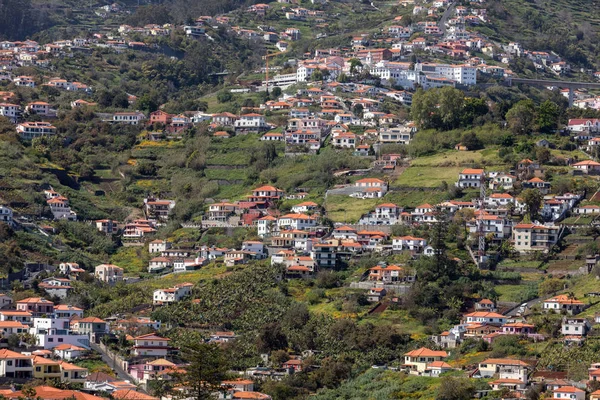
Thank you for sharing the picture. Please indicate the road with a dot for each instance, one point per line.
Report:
(445, 16)
(530, 303)
(121, 373)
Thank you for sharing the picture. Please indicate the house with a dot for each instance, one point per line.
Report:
(568, 392)
(158, 209)
(68, 351)
(491, 367)
(15, 365)
(157, 246)
(296, 221)
(418, 360)
(485, 305)
(532, 237)
(58, 287)
(411, 243)
(484, 317)
(151, 345)
(266, 194)
(221, 211)
(375, 295)
(37, 306)
(537, 183)
(158, 264)
(71, 373)
(12, 328)
(5, 300)
(325, 254)
(24, 317)
(10, 111)
(172, 295)
(93, 327)
(31, 130)
(107, 226)
(575, 326)
(307, 206)
(251, 122)
(587, 167)
(587, 126)
(503, 181)
(131, 118)
(40, 108)
(108, 273)
(563, 303)
(470, 178)
(387, 273)
(224, 119)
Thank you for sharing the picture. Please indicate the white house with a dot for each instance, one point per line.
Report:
(172, 295)
(485, 317)
(251, 122)
(150, 345)
(568, 392)
(470, 178)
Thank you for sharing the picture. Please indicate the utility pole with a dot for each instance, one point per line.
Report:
(481, 222)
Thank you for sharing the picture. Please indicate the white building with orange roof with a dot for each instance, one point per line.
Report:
(266, 193)
(587, 166)
(384, 214)
(305, 207)
(296, 221)
(499, 200)
(485, 317)
(470, 178)
(508, 367)
(375, 294)
(25, 317)
(266, 226)
(151, 345)
(37, 306)
(534, 237)
(345, 232)
(68, 351)
(411, 243)
(562, 303)
(40, 108)
(31, 130)
(568, 392)
(418, 360)
(387, 273)
(172, 295)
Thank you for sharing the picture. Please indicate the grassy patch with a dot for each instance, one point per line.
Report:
(341, 208)
(428, 176)
(132, 259)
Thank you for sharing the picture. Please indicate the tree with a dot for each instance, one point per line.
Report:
(542, 154)
(521, 116)
(452, 388)
(358, 110)
(354, 65)
(224, 96)
(533, 202)
(317, 75)
(207, 367)
(276, 92)
(471, 141)
(548, 116)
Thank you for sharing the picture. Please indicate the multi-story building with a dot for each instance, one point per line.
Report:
(470, 178)
(10, 111)
(37, 306)
(532, 237)
(172, 295)
(108, 273)
(463, 74)
(151, 345)
(31, 130)
(324, 254)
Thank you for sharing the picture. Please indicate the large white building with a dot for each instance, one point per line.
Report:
(463, 74)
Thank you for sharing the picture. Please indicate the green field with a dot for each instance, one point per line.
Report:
(428, 177)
